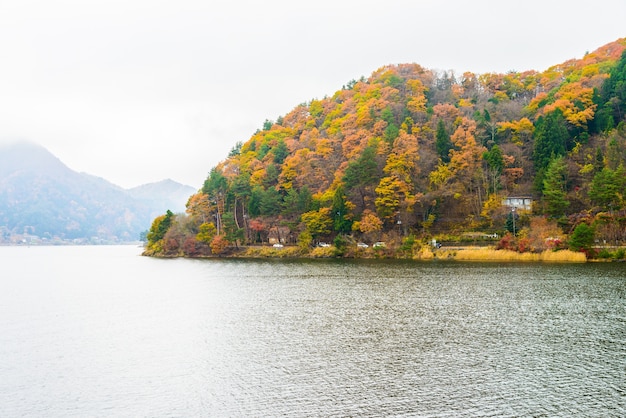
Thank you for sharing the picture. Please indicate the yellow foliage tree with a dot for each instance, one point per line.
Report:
(440, 176)
(369, 225)
(576, 103)
(466, 164)
(318, 222)
(417, 97)
(396, 192)
(521, 130)
(206, 233)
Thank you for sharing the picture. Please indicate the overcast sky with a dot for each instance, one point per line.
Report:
(137, 91)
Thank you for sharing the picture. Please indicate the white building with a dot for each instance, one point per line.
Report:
(518, 202)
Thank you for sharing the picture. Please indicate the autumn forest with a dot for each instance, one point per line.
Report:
(411, 155)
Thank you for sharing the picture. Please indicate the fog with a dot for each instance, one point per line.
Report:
(137, 91)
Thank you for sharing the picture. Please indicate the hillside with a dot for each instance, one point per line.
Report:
(410, 154)
(42, 200)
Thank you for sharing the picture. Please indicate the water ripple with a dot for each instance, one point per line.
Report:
(234, 338)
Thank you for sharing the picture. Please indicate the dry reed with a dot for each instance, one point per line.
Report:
(489, 254)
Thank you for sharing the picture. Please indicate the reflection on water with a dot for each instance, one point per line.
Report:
(99, 331)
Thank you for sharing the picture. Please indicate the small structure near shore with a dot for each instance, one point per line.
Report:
(280, 235)
(518, 202)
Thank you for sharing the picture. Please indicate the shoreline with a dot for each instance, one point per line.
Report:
(467, 254)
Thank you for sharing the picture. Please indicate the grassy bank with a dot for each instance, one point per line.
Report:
(489, 254)
(424, 253)
(416, 252)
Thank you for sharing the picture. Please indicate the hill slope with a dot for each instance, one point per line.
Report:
(41, 197)
(410, 152)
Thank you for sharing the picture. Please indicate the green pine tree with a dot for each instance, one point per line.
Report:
(555, 188)
(339, 210)
(443, 144)
(550, 139)
(582, 238)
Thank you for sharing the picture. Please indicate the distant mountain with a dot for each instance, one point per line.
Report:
(43, 199)
(166, 194)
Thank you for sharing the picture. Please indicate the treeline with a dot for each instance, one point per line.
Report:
(409, 154)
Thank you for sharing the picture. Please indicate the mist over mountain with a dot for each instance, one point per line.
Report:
(41, 199)
(165, 193)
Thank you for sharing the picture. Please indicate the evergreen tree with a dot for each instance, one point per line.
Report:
(550, 139)
(305, 200)
(231, 231)
(495, 160)
(611, 99)
(290, 202)
(215, 183)
(236, 150)
(510, 224)
(443, 143)
(608, 188)
(254, 203)
(488, 128)
(160, 226)
(267, 125)
(582, 238)
(614, 90)
(362, 174)
(392, 130)
(280, 152)
(297, 201)
(555, 187)
(598, 163)
(271, 176)
(263, 150)
(615, 154)
(342, 222)
(271, 202)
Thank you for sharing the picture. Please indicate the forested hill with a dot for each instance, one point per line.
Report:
(412, 152)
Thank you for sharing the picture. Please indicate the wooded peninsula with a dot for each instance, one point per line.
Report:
(416, 163)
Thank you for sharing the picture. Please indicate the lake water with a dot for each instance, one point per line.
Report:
(103, 332)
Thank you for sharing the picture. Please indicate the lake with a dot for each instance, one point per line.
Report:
(102, 332)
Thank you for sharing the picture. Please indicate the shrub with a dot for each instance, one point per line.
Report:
(553, 244)
(191, 246)
(304, 241)
(407, 245)
(340, 244)
(523, 245)
(271, 252)
(219, 244)
(171, 246)
(323, 252)
(507, 242)
(582, 238)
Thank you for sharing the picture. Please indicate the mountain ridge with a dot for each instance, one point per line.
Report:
(44, 199)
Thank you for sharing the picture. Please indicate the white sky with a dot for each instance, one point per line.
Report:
(137, 91)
